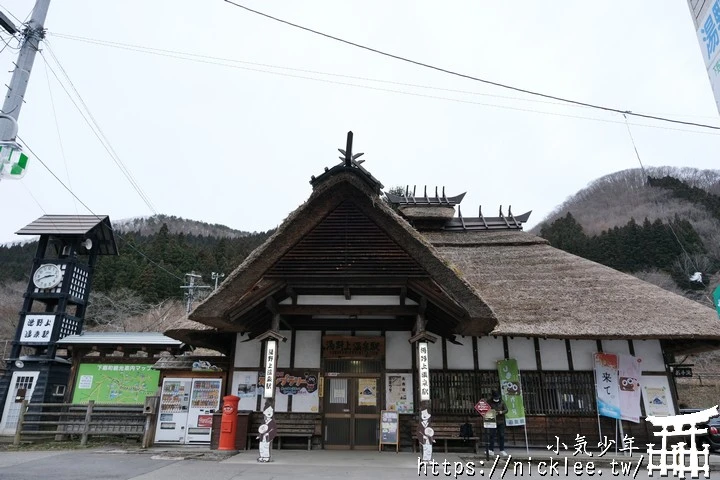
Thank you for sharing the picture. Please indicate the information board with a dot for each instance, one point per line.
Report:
(390, 431)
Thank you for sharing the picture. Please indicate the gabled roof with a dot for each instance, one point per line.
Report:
(95, 227)
(341, 186)
(538, 290)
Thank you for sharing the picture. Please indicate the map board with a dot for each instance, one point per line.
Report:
(124, 384)
(389, 427)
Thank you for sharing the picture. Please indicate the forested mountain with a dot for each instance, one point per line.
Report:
(662, 225)
(154, 259)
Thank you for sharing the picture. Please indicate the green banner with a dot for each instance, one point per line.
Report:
(716, 299)
(105, 383)
(511, 390)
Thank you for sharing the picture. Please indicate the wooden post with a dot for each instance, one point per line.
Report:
(21, 419)
(86, 425)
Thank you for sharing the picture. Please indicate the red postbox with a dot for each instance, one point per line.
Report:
(228, 426)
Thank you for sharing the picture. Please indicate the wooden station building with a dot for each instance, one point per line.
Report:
(353, 276)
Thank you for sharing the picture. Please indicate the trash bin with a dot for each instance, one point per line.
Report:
(243, 421)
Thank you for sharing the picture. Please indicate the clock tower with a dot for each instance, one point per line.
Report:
(54, 307)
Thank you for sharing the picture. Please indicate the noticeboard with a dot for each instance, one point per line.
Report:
(389, 429)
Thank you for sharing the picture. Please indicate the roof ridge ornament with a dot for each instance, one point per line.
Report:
(351, 163)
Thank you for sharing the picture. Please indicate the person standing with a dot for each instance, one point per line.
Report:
(497, 404)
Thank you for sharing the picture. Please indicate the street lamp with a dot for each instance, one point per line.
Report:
(215, 276)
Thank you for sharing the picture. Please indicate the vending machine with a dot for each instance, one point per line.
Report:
(173, 414)
(204, 401)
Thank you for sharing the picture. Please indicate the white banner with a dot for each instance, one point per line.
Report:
(630, 395)
(606, 384)
(707, 26)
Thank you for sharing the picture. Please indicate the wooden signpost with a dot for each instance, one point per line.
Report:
(389, 429)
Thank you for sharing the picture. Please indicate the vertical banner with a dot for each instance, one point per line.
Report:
(270, 362)
(424, 370)
(630, 394)
(716, 299)
(511, 391)
(606, 385)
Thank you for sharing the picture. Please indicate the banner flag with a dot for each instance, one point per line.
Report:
(630, 394)
(606, 385)
(511, 391)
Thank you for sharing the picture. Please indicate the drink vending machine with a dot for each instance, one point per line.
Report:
(186, 408)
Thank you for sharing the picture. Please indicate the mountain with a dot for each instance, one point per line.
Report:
(150, 225)
(661, 224)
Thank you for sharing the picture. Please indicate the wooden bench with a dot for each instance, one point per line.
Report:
(450, 431)
(287, 426)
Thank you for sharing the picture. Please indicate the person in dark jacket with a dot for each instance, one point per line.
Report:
(500, 408)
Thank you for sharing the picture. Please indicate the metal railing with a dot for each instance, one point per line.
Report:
(63, 419)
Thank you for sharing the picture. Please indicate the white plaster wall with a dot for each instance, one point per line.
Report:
(582, 353)
(490, 350)
(460, 357)
(553, 354)
(247, 354)
(651, 354)
(307, 348)
(435, 353)
(284, 350)
(523, 350)
(398, 351)
(616, 346)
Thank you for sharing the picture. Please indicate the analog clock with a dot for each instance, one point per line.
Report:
(47, 275)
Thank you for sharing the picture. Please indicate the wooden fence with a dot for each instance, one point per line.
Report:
(63, 419)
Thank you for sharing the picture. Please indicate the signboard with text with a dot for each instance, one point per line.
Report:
(706, 16)
(511, 391)
(37, 328)
(106, 383)
(357, 348)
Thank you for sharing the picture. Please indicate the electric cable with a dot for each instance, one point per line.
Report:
(477, 79)
(210, 60)
(112, 151)
(104, 142)
(120, 235)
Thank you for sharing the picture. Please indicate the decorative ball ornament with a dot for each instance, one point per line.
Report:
(429, 431)
(47, 276)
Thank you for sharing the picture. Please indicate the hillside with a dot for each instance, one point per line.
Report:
(662, 226)
(176, 225)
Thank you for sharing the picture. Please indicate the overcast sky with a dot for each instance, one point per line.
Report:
(235, 141)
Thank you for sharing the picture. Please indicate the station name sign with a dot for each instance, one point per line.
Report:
(353, 348)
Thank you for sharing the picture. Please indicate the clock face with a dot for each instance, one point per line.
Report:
(47, 276)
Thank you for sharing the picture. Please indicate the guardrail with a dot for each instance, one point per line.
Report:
(60, 419)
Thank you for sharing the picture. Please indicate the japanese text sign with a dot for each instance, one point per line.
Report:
(424, 371)
(37, 328)
(270, 363)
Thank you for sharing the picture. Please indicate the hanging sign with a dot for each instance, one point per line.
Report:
(482, 407)
(424, 371)
(358, 348)
(716, 299)
(37, 328)
(270, 362)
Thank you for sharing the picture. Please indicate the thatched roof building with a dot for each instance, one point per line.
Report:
(489, 281)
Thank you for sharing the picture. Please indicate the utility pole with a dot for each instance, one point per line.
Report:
(33, 33)
(215, 276)
(191, 289)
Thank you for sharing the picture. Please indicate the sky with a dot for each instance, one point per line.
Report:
(222, 115)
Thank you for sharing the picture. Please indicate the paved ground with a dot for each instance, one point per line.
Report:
(198, 463)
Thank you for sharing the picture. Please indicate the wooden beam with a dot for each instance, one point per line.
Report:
(346, 290)
(292, 294)
(393, 310)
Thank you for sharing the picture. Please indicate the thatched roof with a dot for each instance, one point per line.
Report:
(507, 282)
(202, 336)
(342, 186)
(538, 290)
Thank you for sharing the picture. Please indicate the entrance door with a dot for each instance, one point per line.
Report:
(351, 413)
(22, 385)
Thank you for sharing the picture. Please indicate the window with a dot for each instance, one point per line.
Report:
(544, 393)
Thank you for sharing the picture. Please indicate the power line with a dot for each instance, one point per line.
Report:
(120, 235)
(101, 137)
(205, 59)
(477, 79)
